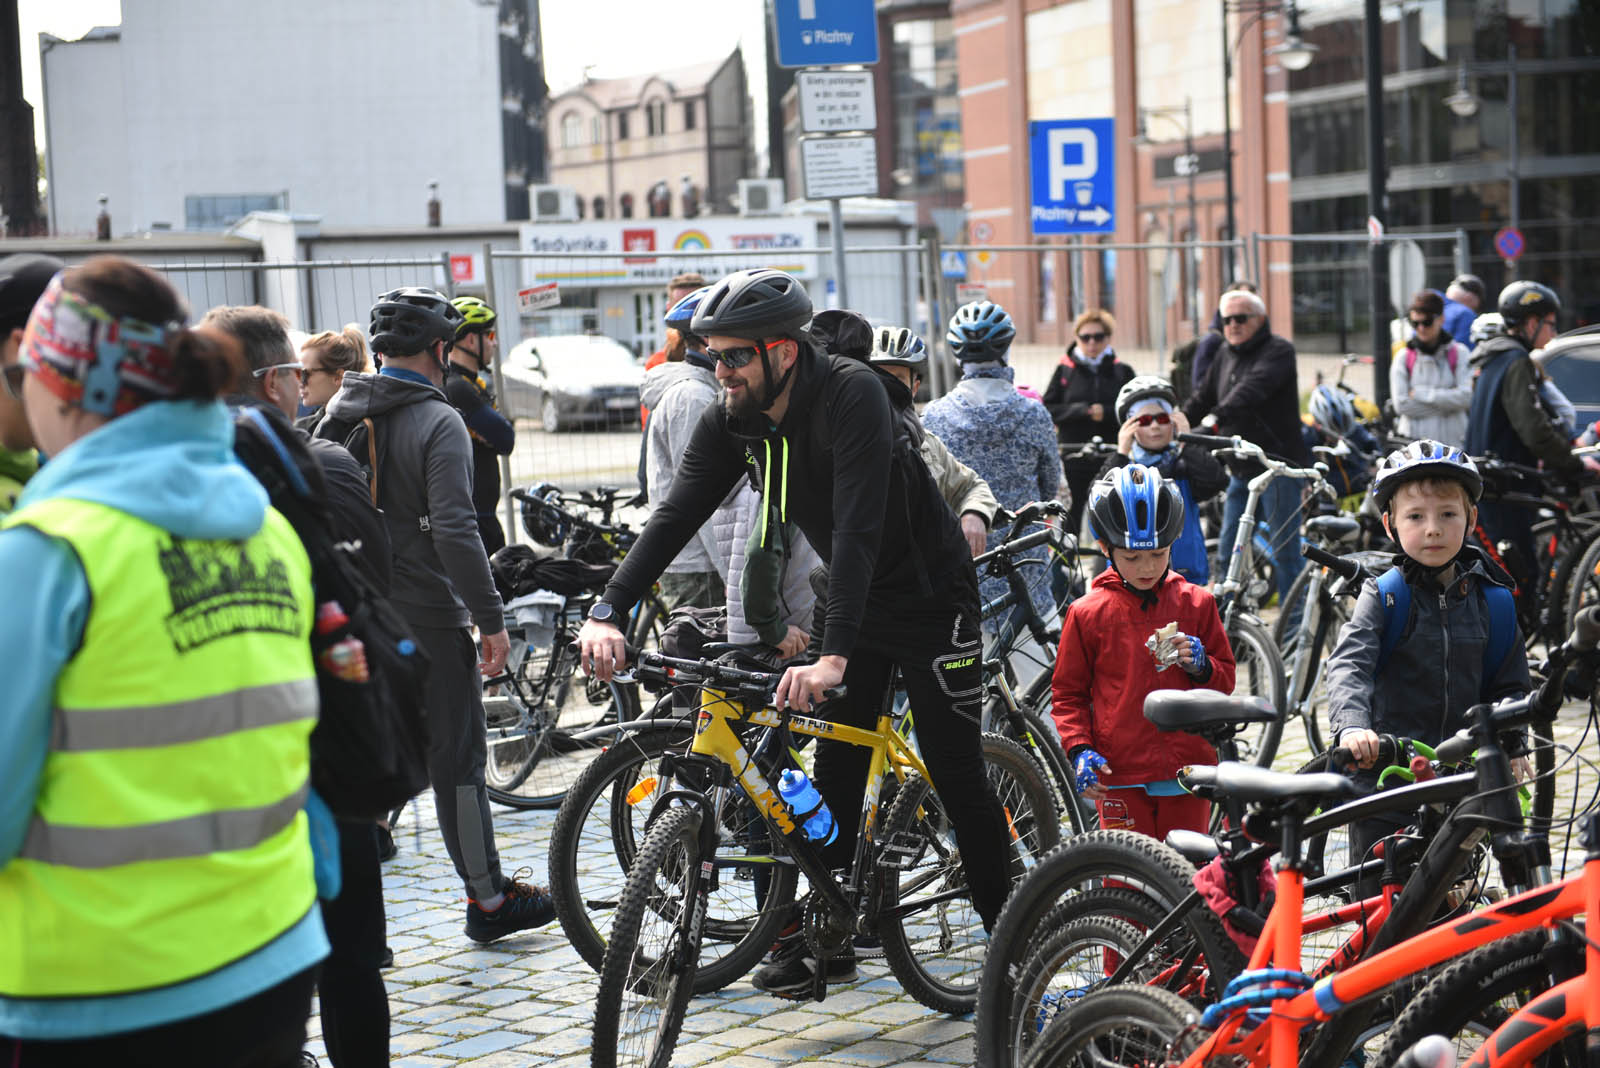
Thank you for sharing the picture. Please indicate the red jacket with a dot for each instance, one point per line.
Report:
(1103, 672)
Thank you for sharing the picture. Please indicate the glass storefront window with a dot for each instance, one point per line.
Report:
(927, 112)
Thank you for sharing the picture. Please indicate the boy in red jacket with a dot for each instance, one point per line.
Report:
(1104, 667)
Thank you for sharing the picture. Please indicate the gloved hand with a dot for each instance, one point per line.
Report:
(1084, 768)
(1195, 663)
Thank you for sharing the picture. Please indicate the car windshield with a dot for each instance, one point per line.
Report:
(1577, 372)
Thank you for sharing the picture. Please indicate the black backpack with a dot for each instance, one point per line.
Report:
(369, 748)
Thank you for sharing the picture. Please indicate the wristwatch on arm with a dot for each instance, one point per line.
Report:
(601, 612)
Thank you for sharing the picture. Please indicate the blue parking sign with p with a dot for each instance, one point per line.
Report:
(1073, 164)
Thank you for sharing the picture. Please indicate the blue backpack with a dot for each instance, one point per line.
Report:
(1395, 594)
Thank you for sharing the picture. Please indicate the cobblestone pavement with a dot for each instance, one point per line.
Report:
(529, 1000)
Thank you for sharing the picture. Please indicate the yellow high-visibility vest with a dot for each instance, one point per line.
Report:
(168, 837)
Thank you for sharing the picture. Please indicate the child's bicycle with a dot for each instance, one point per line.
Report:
(906, 884)
(1267, 1011)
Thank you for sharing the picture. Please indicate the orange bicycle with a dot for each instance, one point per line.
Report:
(1271, 1007)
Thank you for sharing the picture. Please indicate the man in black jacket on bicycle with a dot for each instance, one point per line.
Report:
(902, 590)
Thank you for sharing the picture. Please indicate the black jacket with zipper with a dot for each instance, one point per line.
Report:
(1074, 387)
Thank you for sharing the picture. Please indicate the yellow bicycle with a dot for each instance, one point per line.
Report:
(722, 822)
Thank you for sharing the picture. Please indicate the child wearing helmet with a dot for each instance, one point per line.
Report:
(1150, 423)
(1104, 668)
(1330, 420)
(1441, 658)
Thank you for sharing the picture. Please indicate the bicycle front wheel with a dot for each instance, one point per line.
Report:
(648, 973)
(536, 747)
(1259, 674)
(1128, 1025)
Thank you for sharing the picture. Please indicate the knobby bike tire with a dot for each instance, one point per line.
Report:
(1260, 674)
(597, 834)
(1073, 961)
(1131, 1025)
(1153, 868)
(937, 951)
(1476, 994)
(645, 989)
(1583, 588)
(1038, 735)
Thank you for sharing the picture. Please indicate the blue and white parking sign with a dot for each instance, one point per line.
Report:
(822, 33)
(1073, 162)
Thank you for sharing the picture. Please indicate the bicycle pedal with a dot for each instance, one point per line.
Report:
(900, 852)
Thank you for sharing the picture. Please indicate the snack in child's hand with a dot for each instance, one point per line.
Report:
(1167, 646)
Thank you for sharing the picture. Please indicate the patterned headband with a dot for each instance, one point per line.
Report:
(92, 359)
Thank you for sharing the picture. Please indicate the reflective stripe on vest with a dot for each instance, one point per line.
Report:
(168, 838)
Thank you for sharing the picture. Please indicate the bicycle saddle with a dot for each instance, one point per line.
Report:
(1333, 529)
(1198, 849)
(1248, 783)
(1203, 710)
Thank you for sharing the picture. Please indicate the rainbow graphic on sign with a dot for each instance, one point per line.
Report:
(691, 239)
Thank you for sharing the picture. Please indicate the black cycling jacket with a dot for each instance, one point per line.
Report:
(877, 520)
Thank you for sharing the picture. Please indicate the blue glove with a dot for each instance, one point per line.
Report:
(1084, 767)
(1197, 651)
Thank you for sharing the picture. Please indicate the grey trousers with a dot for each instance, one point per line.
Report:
(700, 589)
(457, 752)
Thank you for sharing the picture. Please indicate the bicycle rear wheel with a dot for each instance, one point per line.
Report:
(648, 973)
(1126, 1025)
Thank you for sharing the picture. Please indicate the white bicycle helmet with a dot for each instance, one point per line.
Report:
(1424, 459)
(1143, 387)
(1332, 408)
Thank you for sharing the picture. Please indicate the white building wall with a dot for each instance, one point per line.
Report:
(352, 107)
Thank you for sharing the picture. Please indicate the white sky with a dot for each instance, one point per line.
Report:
(615, 37)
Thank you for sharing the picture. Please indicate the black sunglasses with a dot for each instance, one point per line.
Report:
(1425, 321)
(1237, 320)
(13, 376)
(733, 359)
(1093, 337)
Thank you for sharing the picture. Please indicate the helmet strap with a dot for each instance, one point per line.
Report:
(772, 390)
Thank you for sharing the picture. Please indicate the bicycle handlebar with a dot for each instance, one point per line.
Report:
(1389, 750)
(1210, 441)
(1343, 566)
(1016, 545)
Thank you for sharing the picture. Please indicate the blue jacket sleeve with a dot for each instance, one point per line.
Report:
(39, 631)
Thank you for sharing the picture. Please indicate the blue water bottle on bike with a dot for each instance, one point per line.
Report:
(810, 811)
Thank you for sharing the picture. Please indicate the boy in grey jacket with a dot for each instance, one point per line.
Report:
(441, 584)
(1427, 493)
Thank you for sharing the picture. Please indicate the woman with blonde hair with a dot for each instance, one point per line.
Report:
(324, 359)
(1082, 399)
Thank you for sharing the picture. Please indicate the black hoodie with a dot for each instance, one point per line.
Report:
(881, 525)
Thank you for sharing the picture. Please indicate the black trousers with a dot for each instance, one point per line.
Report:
(264, 1031)
(355, 1004)
(937, 647)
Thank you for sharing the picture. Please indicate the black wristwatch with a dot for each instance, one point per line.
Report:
(601, 612)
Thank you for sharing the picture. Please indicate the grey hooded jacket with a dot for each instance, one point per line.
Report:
(441, 575)
(677, 394)
(1435, 673)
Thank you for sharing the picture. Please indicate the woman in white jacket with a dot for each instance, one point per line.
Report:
(1430, 379)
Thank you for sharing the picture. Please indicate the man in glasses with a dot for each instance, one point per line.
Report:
(467, 383)
(817, 433)
(1251, 389)
(23, 279)
(263, 337)
(1506, 418)
(1430, 377)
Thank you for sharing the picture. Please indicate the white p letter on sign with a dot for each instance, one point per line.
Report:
(1062, 173)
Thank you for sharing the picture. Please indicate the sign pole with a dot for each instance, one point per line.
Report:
(836, 228)
(500, 393)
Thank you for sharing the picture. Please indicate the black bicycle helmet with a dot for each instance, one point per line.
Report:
(407, 320)
(543, 518)
(756, 304)
(1424, 459)
(1521, 301)
(1135, 508)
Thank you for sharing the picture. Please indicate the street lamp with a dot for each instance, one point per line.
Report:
(1190, 165)
(1293, 54)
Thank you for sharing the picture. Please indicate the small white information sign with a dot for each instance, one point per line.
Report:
(832, 101)
(839, 166)
(540, 296)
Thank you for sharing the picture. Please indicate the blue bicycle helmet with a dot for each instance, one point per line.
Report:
(1135, 508)
(681, 314)
(980, 332)
(1332, 409)
(1424, 459)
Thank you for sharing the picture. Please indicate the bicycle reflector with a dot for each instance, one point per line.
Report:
(642, 789)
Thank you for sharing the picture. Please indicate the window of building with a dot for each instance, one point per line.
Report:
(625, 205)
(689, 117)
(927, 138)
(597, 130)
(655, 118)
(218, 212)
(599, 207)
(571, 130)
(622, 126)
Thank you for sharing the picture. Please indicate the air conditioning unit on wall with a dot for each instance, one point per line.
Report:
(554, 203)
(760, 196)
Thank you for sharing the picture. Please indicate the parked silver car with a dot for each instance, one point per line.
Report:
(575, 380)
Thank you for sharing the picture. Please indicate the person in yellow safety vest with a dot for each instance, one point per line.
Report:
(157, 901)
(22, 279)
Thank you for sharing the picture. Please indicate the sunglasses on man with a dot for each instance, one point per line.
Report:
(733, 359)
(1237, 320)
(1095, 337)
(1156, 418)
(1423, 322)
(262, 372)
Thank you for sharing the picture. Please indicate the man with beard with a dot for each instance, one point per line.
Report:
(902, 591)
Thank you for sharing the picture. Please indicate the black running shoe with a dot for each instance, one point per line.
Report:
(525, 907)
(793, 974)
